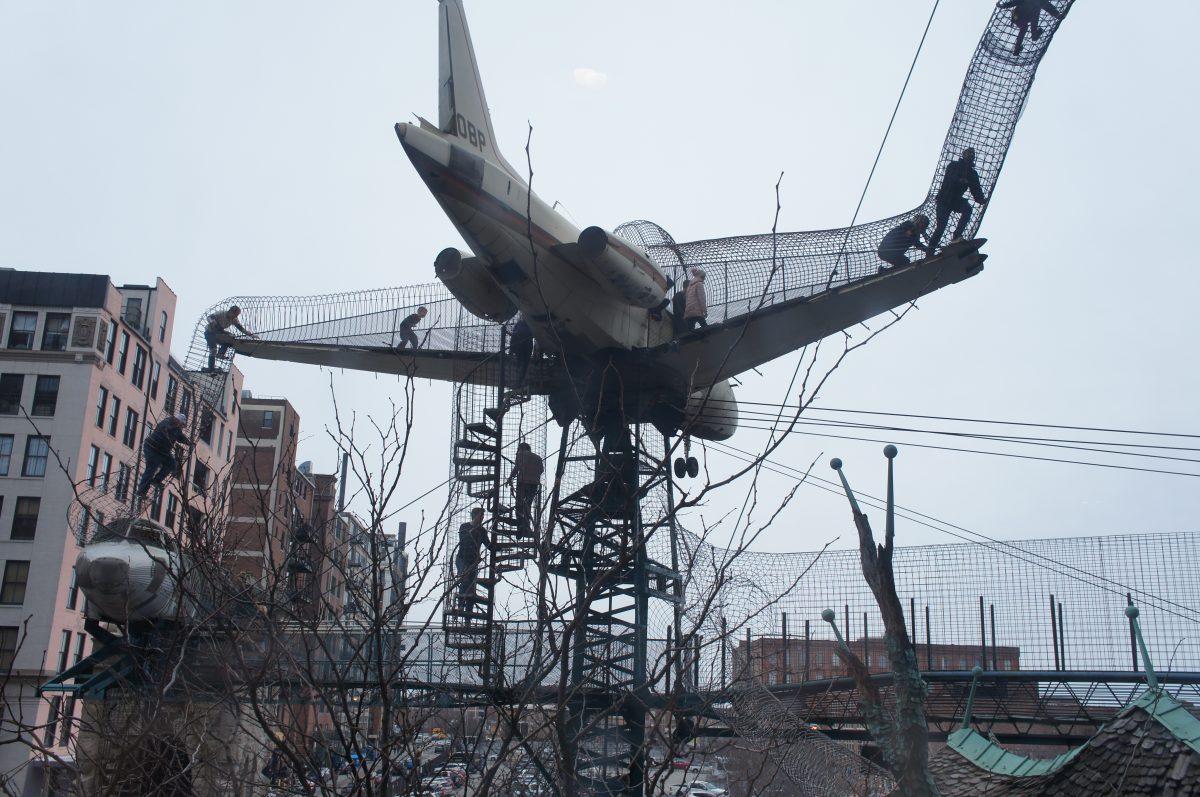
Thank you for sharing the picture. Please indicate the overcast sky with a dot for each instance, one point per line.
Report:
(246, 148)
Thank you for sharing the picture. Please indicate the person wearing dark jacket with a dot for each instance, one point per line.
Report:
(158, 451)
(1027, 14)
(215, 332)
(520, 346)
(894, 247)
(472, 537)
(407, 336)
(960, 178)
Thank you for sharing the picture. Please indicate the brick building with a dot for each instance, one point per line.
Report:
(85, 373)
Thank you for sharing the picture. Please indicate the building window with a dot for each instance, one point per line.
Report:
(37, 454)
(101, 405)
(228, 445)
(80, 646)
(122, 481)
(16, 576)
(221, 440)
(139, 367)
(25, 517)
(200, 477)
(52, 721)
(67, 721)
(56, 331)
(105, 471)
(123, 353)
(155, 371)
(172, 511)
(162, 327)
(64, 650)
(114, 413)
(6, 444)
(10, 393)
(73, 592)
(20, 334)
(8, 646)
(45, 396)
(172, 394)
(268, 421)
(129, 436)
(93, 462)
(205, 431)
(185, 403)
(156, 503)
(110, 342)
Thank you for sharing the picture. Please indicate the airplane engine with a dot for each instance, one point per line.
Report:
(474, 287)
(712, 414)
(623, 267)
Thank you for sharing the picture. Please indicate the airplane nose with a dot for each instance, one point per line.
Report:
(401, 130)
(106, 575)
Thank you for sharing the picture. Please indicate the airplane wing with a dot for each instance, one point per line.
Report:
(474, 367)
(747, 341)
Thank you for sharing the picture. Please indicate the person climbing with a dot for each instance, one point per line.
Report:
(657, 310)
(215, 330)
(894, 247)
(960, 178)
(520, 346)
(1026, 15)
(158, 451)
(695, 303)
(407, 336)
(527, 472)
(472, 537)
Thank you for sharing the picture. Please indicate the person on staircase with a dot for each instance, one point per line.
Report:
(407, 336)
(158, 451)
(527, 473)
(1027, 14)
(960, 178)
(893, 249)
(472, 537)
(215, 331)
(520, 347)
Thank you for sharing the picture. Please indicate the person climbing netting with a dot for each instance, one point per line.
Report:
(1027, 14)
(893, 249)
(695, 302)
(158, 451)
(407, 336)
(215, 330)
(960, 178)
(472, 536)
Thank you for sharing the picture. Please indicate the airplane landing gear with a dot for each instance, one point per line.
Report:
(687, 465)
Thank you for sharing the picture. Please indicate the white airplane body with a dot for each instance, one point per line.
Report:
(589, 296)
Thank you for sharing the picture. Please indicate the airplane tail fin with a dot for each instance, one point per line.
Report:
(462, 107)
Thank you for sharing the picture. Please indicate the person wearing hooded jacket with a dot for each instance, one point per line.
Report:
(960, 178)
(695, 302)
(893, 249)
(158, 451)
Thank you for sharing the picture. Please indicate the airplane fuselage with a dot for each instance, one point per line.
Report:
(570, 307)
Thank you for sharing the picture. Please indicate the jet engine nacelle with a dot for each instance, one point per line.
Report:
(473, 285)
(712, 414)
(623, 267)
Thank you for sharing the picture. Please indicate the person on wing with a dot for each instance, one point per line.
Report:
(217, 325)
(695, 302)
(472, 537)
(158, 451)
(407, 336)
(960, 178)
(1027, 14)
(893, 249)
(527, 472)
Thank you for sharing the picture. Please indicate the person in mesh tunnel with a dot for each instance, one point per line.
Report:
(407, 336)
(960, 178)
(1026, 15)
(472, 537)
(520, 347)
(893, 249)
(158, 451)
(216, 327)
(527, 473)
(695, 302)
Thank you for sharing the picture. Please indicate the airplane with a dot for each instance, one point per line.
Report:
(593, 298)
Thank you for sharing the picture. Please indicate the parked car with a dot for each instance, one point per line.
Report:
(702, 785)
(681, 763)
